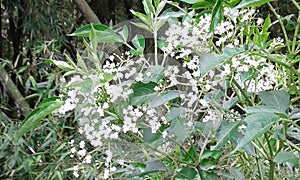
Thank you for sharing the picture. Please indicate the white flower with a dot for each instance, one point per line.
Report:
(81, 144)
(81, 153)
(260, 21)
(73, 150)
(164, 134)
(88, 159)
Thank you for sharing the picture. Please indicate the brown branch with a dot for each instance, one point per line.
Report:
(88, 13)
(14, 93)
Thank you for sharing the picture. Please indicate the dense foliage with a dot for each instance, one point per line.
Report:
(200, 91)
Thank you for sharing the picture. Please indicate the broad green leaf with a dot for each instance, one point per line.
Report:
(62, 65)
(203, 4)
(216, 16)
(177, 128)
(142, 93)
(103, 33)
(262, 109)
(163, 98)
(150, 137)
(157, 73)
(85, 85)
(85, 30)
(161, 21)
(252, 3)
(257, 125)
(294, 133)
(142, 25)
(277, 99)
(146, 19)
(153, 166)
(232, 3)
(283, 157)
(187, 173)
(175, 112)
(226, 133)
(295, 114)
(211, 60)
(231, 102)
(34, 118)
(138, 41)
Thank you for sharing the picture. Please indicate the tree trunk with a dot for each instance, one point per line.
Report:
(22, 106)
(88, 13)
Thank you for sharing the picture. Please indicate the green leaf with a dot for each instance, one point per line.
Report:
(232, 3)
(34, 118)
(257, 124)
(86, 30)
(252, 3)
(277, 99)
(163, 98)
(267, 24)
(175, 112)
(210, 60)
(187, 173)
(153, 166)
(146, 19)
(124, 33)
(81, 63)
(191, 1)
(142, 93)
(150, 137)
(216, 16)
(294, 133)
(177, 128)
(202, 4)
(148, 6)
(262, 109)
(142, 25)
(191, 155)
(157, 73)
(283, 157)
(138, 41)
(61, 64)
(103, 33)
(160, 6)
(226, 133)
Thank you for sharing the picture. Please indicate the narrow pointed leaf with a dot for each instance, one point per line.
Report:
(252, 3)
(164, 98)
(227, 131)
(216, 16)
(34, 118)
(257, 125)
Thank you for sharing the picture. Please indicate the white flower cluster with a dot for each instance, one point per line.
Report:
(253, 73)
(192, 36)
(131, 116)
(108, 168)
(277, 42)
(81, 155)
